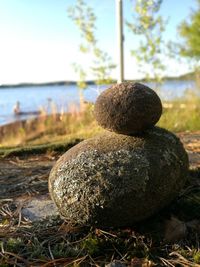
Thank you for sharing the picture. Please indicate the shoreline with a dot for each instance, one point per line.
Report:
(186, 76)
(15, 126)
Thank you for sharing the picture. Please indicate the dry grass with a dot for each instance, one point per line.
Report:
(182, 114)
(51, 128)
(178, 116)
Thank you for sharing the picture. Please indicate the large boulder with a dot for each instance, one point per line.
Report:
(117, 180)
(128, 108)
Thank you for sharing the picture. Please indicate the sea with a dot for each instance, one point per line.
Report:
(65, 98)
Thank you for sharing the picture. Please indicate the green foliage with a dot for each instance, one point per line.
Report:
(64, 249)
(149, 26)
(14, 244)
(91, 245)
(35, 248)
(85, 19)
(190, 32)
(82, 76)
(196, 257)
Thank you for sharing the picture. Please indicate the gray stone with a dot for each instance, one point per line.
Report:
(117, 180)
(39, 208)
(128, 108)
(116, 264)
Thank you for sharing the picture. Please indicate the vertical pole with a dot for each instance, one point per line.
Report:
(120, 40)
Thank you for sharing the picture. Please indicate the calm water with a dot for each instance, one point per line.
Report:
(33, 98)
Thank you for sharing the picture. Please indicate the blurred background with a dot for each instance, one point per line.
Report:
(57, 56)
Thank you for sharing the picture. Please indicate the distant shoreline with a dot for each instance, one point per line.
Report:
(187, 76)
(59, 83)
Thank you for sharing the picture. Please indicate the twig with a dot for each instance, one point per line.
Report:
(106, 233)
(6, 200)
(78, 261)
(95, 264)
(118, 252)
(63, 261)
(166, 262)
(51, 254)
(2, 248)
(16, 257)
(20, 218)
(182, 260)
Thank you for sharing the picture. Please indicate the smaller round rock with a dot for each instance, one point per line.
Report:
(128, 108)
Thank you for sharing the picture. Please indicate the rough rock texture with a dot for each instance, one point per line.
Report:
(128, 108)
(116, 180)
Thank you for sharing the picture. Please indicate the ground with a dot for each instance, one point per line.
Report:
(24, 198)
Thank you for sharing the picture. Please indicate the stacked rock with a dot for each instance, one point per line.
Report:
(125, 174)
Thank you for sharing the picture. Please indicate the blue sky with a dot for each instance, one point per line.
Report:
(39, 42)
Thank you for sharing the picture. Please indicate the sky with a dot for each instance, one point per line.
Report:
(40, 43)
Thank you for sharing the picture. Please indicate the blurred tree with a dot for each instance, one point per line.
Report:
(102, 65)
(149, 26)
(190, 32)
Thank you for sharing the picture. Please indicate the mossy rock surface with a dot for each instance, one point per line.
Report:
(128, 108)
(117, 180)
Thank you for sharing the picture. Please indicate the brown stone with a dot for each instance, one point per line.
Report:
(128, 108)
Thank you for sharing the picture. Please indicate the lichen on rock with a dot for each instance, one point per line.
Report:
(116, 180)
